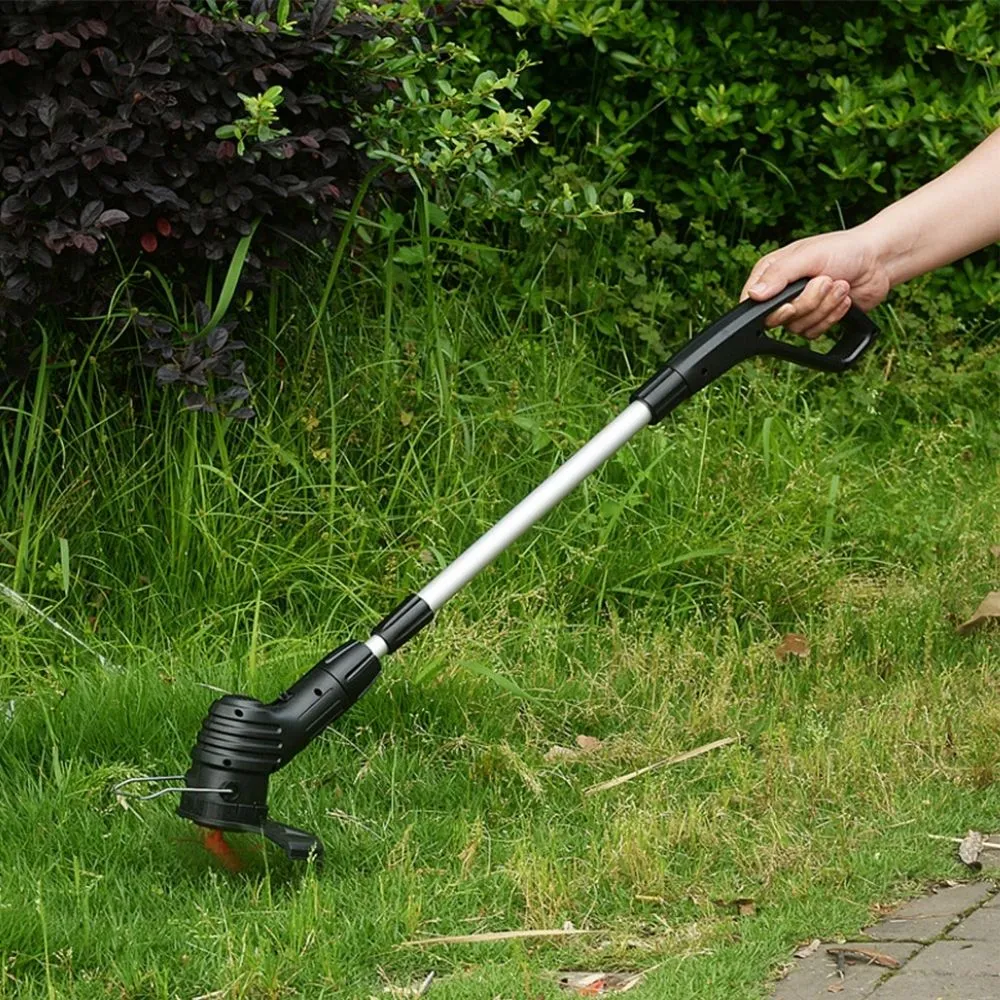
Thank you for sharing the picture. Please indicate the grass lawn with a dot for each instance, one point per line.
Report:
(644, 612)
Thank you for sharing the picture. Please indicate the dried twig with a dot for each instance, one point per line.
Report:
(593, 983)
(407, 992)
(987, 844)
(615, 782)
(867, 955)
(489, 936)
(808, 949)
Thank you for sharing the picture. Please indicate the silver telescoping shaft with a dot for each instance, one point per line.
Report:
(530, 510)
(535, 505)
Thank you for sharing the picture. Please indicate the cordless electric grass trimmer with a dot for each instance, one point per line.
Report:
(242, 742)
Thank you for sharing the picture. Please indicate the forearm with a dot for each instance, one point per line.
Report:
(952, 216)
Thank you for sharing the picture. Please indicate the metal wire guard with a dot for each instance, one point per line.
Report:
(163, 791)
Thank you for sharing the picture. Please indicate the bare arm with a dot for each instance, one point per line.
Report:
(951, 216)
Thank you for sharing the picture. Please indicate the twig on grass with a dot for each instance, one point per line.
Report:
(489, 936)
(961, 840)
(697, 752)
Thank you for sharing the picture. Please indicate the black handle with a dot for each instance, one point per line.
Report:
(740, 335)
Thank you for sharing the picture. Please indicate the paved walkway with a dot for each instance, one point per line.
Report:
(947, 944)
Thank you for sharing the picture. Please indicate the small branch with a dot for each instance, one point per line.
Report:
(959, 840)
(491, 936)
(867, 955)
(615, 782)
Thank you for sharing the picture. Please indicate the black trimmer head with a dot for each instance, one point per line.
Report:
(242, 742)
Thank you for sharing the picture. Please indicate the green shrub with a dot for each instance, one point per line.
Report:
(736, 126)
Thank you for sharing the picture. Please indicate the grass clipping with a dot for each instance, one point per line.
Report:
(490, 936)
(687, 755)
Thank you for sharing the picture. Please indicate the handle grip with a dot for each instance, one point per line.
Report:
(739, 335)
(857, 333)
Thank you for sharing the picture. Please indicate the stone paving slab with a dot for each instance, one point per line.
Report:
(814, 976)
(949, 901)
(948, 942)
(914, 986)
(929, 917)
(981, 925)
(953, 958)
(920, 929)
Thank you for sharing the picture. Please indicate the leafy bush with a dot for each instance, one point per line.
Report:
(736, 126)
(108, 129)
(170, 131)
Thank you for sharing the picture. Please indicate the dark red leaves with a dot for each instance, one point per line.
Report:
(84, 242)
(46, 110)
(90, 213)
(112, 217)
(158, 46)
(107, 134)
(14, 56)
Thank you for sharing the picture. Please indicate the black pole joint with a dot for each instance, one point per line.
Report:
(405, 622)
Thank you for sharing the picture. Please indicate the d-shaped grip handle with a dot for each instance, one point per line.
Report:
(857, 332)
(739, 335)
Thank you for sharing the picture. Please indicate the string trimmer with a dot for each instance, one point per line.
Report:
(242, 742)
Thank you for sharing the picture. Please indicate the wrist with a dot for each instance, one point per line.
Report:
(888, 245)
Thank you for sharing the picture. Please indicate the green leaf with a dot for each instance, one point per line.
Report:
(436, 215)
(513, 17)
(626, 57)
(409, 255)
(410, 89)
(64, 564)
(484, 81)
(392, 221)
(505, 683)
(232, 277)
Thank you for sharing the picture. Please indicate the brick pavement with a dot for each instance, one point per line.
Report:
(948, 944)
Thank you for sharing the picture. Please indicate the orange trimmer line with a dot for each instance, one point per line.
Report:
(215, 843)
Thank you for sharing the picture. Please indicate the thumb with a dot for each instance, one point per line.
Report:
(775, 271)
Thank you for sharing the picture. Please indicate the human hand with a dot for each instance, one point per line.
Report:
(845, 269)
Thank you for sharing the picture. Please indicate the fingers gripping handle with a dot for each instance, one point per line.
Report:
(739, 335)
(857, 335)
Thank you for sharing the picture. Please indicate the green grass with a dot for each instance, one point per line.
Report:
(644, 611)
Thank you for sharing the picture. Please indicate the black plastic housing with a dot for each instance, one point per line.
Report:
(242, 742)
